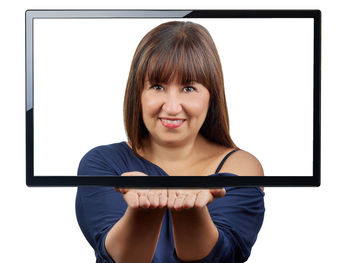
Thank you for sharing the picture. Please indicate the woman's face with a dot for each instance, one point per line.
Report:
(174, 113)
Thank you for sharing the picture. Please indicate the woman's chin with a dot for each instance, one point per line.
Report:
(172, 142)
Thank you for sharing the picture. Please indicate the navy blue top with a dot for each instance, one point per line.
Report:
(238, 215)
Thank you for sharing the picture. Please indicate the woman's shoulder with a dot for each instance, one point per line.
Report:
(109, 154)
(243, 163)
(106, 149)
(106, 159)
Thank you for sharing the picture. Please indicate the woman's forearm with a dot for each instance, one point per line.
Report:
(195, 234)
(134, 237)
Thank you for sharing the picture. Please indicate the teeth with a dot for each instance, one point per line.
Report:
(174, 121)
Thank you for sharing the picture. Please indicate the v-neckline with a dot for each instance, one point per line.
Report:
(143, 159)
(166, 174)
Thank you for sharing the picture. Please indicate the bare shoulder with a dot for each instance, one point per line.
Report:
(243, 163)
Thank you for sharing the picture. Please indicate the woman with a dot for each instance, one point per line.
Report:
(177, 123)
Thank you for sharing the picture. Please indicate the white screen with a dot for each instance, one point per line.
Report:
(81, 68)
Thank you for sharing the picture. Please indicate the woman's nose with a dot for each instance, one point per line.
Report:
(172, 104)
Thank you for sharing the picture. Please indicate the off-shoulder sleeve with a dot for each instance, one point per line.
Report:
(238, 217)
(97, 208)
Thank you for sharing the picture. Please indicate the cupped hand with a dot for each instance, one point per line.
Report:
(180, 199)
(143, 198)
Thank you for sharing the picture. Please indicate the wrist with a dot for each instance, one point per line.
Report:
(142, 214)
(193, 212)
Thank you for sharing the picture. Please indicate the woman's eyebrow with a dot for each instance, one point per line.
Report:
(194, 83)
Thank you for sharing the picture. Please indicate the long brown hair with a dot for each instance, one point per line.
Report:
(184, 50)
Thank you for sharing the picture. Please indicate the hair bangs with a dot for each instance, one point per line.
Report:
(184, 63)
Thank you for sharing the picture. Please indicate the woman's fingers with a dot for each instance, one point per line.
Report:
(153, 197)
(143, 198)
(132, 199)
(163, 198)
(177, 199)
(179, 202)
(203, 198)
(121, 190)
(189, 201)
(186, 199)
(132, 196)
(134, 173)
(139, 198)
(182, 199)
(218, 193)
(171, 198)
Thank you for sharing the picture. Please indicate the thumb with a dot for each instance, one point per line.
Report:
(121, 190)
(217, 193)
(132, 173)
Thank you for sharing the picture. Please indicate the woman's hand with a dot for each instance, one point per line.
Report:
(143, 198)
(180, 199)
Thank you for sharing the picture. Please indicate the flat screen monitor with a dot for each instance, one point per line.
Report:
(77, 67)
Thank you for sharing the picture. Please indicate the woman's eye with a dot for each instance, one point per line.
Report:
(189, 89)
(157, 87)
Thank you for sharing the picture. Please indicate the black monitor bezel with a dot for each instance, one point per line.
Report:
(173, 181)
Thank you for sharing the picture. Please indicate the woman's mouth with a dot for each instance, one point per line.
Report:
(171, 124)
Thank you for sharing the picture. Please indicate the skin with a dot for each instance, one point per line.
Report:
(138, 230)
(173, 100)
(178, 151)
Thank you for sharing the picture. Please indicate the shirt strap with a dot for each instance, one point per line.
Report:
(223, 160)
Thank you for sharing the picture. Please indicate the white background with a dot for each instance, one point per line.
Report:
(301, 224)
(81, 67)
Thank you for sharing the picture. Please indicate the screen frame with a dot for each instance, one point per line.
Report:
(171, 181)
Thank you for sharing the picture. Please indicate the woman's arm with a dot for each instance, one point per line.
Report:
(134, 237)
(102, 212)
(237, 216)
(195, 234)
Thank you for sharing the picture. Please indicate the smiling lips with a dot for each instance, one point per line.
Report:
(171, 123)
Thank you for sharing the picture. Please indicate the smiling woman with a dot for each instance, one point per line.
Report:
(183, 53)
(176, 120)
(173, 113)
